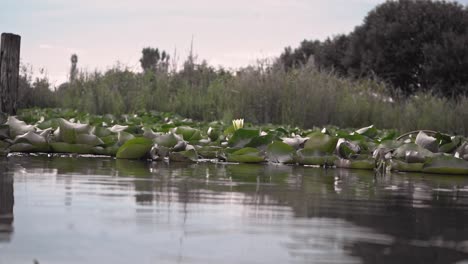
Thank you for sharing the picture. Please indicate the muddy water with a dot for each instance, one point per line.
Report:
(98, 210)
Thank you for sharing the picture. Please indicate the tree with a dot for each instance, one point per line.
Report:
(152, 60)
(401, 41)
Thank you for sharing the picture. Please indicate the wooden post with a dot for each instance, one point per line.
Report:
(9, 72)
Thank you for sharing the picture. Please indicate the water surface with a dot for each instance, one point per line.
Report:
(102, 210)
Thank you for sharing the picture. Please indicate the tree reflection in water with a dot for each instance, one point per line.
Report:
(407, 218)
(6, 202)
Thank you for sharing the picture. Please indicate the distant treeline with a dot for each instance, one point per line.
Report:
(414, 45)
(295, 89)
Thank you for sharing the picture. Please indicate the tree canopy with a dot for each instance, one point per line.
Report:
(415, 45)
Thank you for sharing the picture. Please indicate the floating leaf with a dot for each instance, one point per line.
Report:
(345, 148)
(188, 133)
(312, 157)
(242, 137)
(246, 155)
(18, 127)
(370, 131)
(123, 137)
(88, 140)
(296, 142)
(427, 142)
(443, 164)
(135, 148)
(403, 151)
(38, 142)
(398, 165)
(321, 143)
(168, 140)
(184, 156)
(68, 131)
(62, 147)
(279, 152)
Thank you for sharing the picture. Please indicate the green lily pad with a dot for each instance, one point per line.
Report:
(88, 140)
(184, 156)
(321, 143)
(370, 131)
(135, 148)
(279, 152)
(398, 165)
(18, 127)
(37, 141)
(123, 137)
(22, 147)
(246, 155)
(168, 140)
(443, 164)
(427, 142)
(188, 133)
(62, 147)
(68, 131)
(412, 150)
(312, 157)
(210, 152)
(242, 137)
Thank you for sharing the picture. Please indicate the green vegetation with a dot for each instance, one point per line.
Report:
(304, 97)
(414, 45)
(162, 136)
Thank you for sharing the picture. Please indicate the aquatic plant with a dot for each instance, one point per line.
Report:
(172, 138)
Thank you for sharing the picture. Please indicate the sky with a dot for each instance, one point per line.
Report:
(232, 34)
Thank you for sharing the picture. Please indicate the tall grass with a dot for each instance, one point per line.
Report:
(303, 97)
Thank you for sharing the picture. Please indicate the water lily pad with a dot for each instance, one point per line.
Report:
(123, 137)
(369, 131)
(242, 137)
(168, 140)
(37, 141)
(412, 150)
(135, 148)
(68, 131)
(398, 165)
(62, 147)
(296, 142)
(321, 143)
(210, 152)
(427, 142)
(88, 140)
(188, 133)
(443, 164)
(312, 157)
(18, 127)
(184, 156)
(345, 148)
(246, 155)
(22, 147)
(279, 152)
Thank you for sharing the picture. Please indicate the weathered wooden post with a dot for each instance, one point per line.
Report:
(9, 72)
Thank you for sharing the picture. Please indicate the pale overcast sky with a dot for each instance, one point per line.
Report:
(230, 33)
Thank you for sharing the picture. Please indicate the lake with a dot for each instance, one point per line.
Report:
(102, 210)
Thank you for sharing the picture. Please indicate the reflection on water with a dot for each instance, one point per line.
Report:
(94, 210)
(6, 204)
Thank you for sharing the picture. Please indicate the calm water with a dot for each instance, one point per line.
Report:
(97, 210)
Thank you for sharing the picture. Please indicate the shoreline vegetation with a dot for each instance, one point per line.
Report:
(403, 68)
(171, 138)
(261, 94)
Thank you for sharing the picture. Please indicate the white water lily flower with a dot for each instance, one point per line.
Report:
(238, 123)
